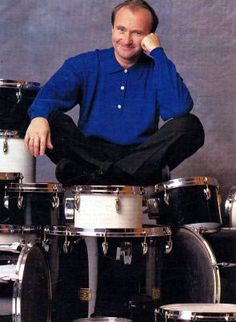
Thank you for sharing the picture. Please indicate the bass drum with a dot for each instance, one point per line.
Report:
(24, 283)
(201, 268)
(116, 272)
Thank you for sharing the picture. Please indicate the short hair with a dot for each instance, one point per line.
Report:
(136, 4)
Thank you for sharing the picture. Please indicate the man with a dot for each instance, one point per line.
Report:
(121, 91)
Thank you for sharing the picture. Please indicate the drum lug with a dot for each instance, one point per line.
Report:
(77, 202)
(166, 195)
(117, 204)
(117, 201)
(207, 191)
(20, 200)
(45, 241)
(145, 246)
(66, 243)
(55, 201)
(19, 95)
(105, 246)
(5, 145)
(6, 201)
(168, 246)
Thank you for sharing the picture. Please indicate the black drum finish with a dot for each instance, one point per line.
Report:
(16, 96)
(68, 262)
(201, 267)
(25, 285)
(187, 201)
(106, 272)
(33, 204)
(5, 179)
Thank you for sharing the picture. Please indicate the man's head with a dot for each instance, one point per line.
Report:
(135, 4)
(132, 20)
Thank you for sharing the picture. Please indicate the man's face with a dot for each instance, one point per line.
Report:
(130, 27)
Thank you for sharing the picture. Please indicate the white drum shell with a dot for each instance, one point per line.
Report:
(17, 159)
(100, 211)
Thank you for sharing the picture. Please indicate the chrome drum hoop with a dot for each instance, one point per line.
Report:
(39, 187)
(186, 182)
(197, 312)
(17, 274)
(155, 231)
(112, 189)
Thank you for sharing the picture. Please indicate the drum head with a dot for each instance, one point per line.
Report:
(35, 289)
(188, 270)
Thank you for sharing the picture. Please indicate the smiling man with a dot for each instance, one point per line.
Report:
(122, 91)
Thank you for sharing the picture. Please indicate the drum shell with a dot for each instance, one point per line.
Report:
(188, 203)
(6, 178)
(118, 288)
(17, 159)
(25, 282)
(201, 267)
(13, 109)
(106, 208)
(37, 204)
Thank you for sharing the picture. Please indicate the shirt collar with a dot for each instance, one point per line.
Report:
(111, 65)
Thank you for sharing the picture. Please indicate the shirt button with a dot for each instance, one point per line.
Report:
(126, 71)
(119, 106)
(122, 88)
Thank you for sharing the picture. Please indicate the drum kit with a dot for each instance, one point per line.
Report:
(84, 253)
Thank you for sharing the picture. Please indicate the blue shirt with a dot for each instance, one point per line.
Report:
(119, 105)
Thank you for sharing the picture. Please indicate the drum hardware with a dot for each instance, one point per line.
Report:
(105, 245)
(45, 241)
(230, 207)
(207, 191)
(125, 252)
(6, 134)
(145, 245)
(66, 243)
(55, 198)
(168, 245)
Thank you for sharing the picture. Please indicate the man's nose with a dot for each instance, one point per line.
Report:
(128, 38)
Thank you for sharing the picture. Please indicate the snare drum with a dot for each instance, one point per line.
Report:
(196, 312)
(230, 207)
(25, 284)
(16, 96)
(123, 275)
(14, 157)
(34, 204)
(201, 267)
(107, 207)
(183, 201)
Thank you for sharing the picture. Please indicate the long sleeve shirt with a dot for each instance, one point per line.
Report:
(119, 105)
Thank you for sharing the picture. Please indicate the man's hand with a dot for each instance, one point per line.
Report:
(150, 42)
(38, 137)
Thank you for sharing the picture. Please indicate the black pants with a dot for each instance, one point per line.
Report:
(175, 141)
